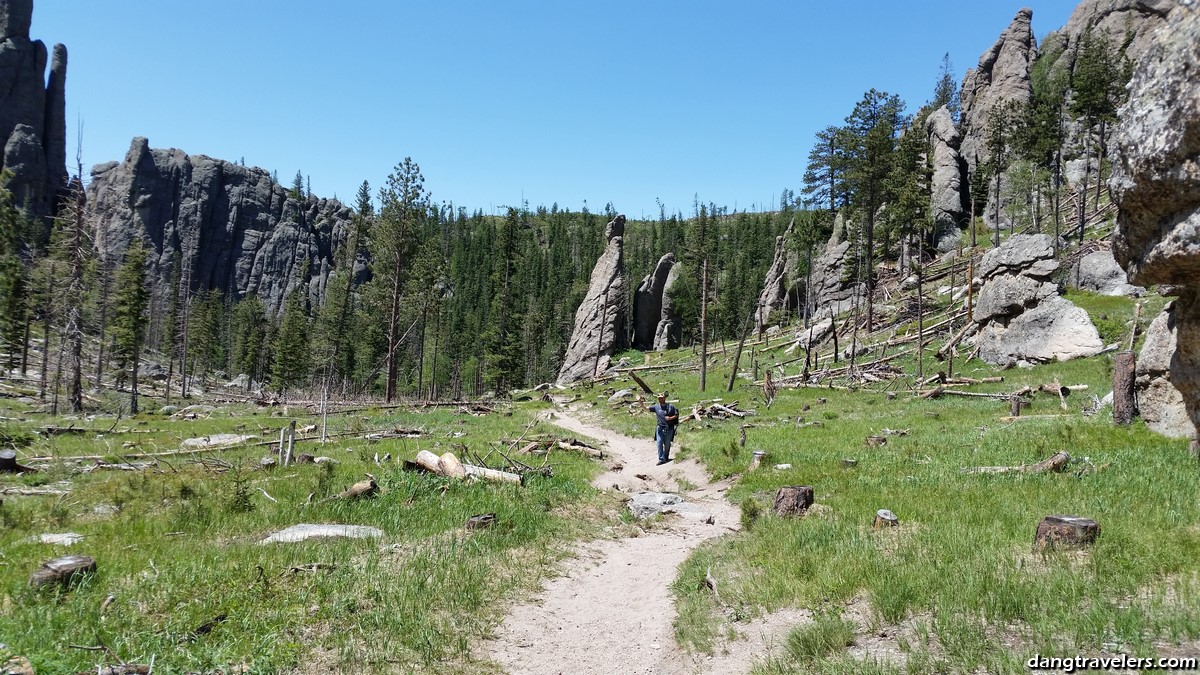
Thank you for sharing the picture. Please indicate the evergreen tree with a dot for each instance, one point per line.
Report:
(945, 92)
(824, 176)
(129, 325)
(291, 346)
(1098, 88)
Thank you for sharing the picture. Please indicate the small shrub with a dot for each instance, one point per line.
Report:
(239, 500)
(732, 451)
(826, 635)
(750, 512)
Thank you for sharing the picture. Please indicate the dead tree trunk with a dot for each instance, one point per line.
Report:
(793, 500)
(1124, 405)
(703, 323)
(1065, 532)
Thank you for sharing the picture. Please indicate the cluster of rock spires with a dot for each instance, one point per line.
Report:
(600, 320)
(33, 121)
(233, 228)
(947, 183)
(656, 322)
(780, 287)
(1021, 315)
(1156, 185)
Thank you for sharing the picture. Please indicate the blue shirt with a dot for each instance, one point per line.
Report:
(663, 412)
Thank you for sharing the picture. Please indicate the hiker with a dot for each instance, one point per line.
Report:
(664, 432)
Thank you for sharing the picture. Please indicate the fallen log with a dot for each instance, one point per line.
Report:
(34, 492)
(360, 490)
(581, 447)
(62, 570)
(1055, 463)
(431, 463)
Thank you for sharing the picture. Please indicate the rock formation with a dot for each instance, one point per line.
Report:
(831, 294)
(669, 331)
(648, 303)
(1159, 402)
(1021, 315)
(33, 120)
(1156, 184)
(1099, 272)
(1001, 76)
(948, 182)
(779, 288)
(1127, 22)
(600, 320)
(234, 228)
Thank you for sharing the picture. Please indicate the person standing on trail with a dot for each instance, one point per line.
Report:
(664, 432)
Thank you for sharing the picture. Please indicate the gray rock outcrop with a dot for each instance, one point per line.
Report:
(779, 287)
(1099, 272)
(1021, 315)
(1156, 184)
(648, 303)
(668, 333)
(1002, 75)
(948, 181)
(600, 320)
(33, 119)
(234, 228)
(831, 293)
(1128, 23)
(1159, 403)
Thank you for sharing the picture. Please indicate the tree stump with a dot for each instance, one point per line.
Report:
(305, 458)
(1065, 532)
(1124, 406)
(481, 521)
(267, 463)
(793, 500)
(876, 441)
(885, 518)
(1014, 405)
(848, 463)
(756, 459)
(8, 462)
(62, 570)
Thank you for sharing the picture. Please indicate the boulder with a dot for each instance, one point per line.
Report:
(648, 303)
(646, 504)
(779, 289)
(1011, 294)
(1028, 254)
(948, 180)
(1055, 330)
(33, 122)
(670, 326)
(1099, 272)
(1159, 403)
(1156, 184)
(234, 228)
(600, 320)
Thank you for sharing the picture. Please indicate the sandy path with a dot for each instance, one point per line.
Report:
(612, 610)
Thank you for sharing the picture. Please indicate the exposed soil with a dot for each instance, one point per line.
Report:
(612, 609)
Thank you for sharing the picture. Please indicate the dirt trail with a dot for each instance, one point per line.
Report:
(612, 611)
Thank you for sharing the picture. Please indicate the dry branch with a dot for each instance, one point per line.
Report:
(1056, 463)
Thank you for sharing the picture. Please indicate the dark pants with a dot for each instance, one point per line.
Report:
(662, 438)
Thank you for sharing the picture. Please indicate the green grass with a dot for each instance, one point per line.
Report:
(961, 560)
(182, 549)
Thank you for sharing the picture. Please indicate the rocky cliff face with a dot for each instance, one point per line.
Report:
(33, 122)
(1156, 184)
(668, 333)
(233, 227)
(948, 182)
(600, 320)
(1127, 22)
(648, 303)
(779, 287)
(1159, 403)
(1003, 75)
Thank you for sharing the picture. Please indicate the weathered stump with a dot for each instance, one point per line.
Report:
(481, 521)
(62, 570)
(1065, 532)
(1014, 405)
(885, 518)
(305, 458)
(8, 462)
(848, 463)
(267, 463)
(1124, 406)
(876, 441)
(793, 500)
(756, 459)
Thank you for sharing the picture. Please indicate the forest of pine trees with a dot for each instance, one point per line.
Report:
(461, 303)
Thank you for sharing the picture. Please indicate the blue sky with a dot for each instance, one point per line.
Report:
(622, 102)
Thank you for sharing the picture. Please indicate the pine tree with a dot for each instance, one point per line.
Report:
(291, 346)
(129, 325)
(945, 92)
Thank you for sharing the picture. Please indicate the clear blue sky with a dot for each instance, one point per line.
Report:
(621, 101)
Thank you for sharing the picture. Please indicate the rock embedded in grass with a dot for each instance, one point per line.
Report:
(646, 504)
(56, 539)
